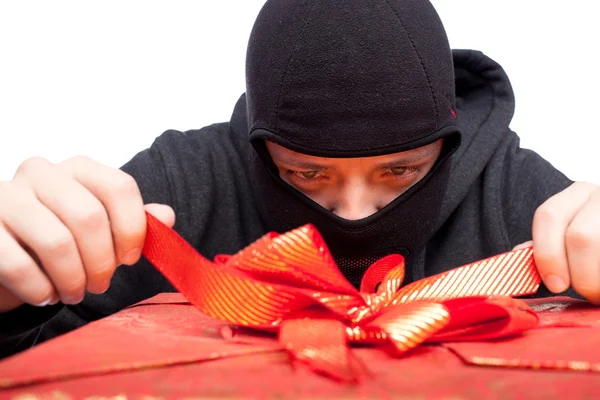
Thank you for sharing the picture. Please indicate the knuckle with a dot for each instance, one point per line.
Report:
(92, 219)
(76, 165)
(545, 214)
(124, 185)
(32, 164)
(580, 238)
(58, 247)
(77, 160)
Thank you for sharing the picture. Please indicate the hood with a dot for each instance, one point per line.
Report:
(485, 105)
(352, 79)
(349, 79)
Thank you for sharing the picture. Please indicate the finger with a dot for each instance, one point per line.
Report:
(121, 197)
(8, 301)
(45, 234)
(20, 277)
(583, 249)
(83, 214)
(524, 245)
(550, 224)
(163, 213)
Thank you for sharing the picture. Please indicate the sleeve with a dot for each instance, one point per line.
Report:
(28, 325)
(529, 181)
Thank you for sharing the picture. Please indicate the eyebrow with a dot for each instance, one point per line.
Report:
(415, 156)
(300, 164)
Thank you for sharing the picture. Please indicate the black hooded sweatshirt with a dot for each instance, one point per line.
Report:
(492, 190)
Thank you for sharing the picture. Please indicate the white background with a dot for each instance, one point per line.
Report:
(104, 78)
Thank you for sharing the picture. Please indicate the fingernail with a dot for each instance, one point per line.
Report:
(50, 301)
(555, 284)
(76, 299)
(54, 300)
(44, 303)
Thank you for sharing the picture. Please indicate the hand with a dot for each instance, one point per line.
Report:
(566, 240)
(64, 228)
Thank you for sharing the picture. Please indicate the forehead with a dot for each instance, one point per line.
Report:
(283, 154)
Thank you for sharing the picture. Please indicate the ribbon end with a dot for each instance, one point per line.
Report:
(322, 345)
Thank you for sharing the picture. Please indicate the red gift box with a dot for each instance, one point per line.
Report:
(164, 348)
(283, 319)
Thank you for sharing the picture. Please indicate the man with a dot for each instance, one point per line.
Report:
(357, 118)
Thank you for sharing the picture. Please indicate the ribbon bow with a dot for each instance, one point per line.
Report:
(290, 284)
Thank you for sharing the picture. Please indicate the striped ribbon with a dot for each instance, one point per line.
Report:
(290, 284)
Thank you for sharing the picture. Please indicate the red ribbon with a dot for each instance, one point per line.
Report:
(290, 284)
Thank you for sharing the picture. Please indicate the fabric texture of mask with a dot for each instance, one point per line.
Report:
(351, 79)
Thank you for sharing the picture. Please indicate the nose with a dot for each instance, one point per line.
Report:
(357, 201)
(353, 213)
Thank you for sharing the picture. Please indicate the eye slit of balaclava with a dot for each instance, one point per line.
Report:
(451, 142)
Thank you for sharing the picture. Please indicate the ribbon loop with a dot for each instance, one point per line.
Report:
(289, 283)
(509, 274)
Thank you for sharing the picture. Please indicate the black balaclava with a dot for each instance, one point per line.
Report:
(351, 78)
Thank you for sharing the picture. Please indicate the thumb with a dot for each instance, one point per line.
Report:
(162, 212)
(523, 245)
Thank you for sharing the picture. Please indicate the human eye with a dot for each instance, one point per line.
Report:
(308, 175)
(405, 170)
(307, 180)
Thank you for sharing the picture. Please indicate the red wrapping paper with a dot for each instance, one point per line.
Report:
(567, 338)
